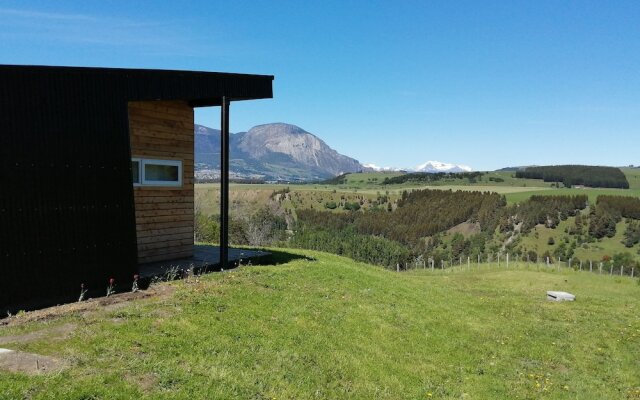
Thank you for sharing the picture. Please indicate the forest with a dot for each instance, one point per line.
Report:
(571, 175)
(427, 177)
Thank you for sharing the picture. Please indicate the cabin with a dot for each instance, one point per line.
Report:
(96, 173)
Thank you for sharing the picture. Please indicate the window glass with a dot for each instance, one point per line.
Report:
(147, 172)
(163, 173)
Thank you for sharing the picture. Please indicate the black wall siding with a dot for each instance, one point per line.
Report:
(66, 197)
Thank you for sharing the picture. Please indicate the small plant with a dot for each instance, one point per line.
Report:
(134, 287)
(172, 273)
(111, 289)
(83, 293)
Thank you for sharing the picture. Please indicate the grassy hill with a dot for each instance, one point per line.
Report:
(323, 326)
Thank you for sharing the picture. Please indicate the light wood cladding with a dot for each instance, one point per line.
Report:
(164, 215)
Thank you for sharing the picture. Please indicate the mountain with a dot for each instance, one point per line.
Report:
(429, 166)
(514, 169)
(437, 166)
(374, 168)
(275, 151)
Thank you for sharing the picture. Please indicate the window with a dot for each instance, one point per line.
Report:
(135, 171)
(147, 172)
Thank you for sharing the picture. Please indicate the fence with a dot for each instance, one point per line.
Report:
(506, 262)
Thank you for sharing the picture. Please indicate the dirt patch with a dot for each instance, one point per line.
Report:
(110, 303)
(466, 228)
(54, 333)
(28, 363)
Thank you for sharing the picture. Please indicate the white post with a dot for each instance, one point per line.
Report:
(441, 264)
(507, 260)
(570, 262)
(590, 266)
(468, 263)
(478, 259)
(600, 268)
(397, 267)
(498, 260)
(547, 261)
(632, 270)
(621, 270)
(580, 265)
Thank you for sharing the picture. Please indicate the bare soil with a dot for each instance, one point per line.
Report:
(110, 303)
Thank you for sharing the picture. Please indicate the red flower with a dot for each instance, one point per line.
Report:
(135, 277)
(111, 281)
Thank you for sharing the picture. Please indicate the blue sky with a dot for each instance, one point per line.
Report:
(488, 84)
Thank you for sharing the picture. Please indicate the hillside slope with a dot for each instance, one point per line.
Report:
(323, 326)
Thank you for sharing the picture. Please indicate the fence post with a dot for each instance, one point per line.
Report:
(468, 263)
(621, 270)
(570, 262)
(580, 265)
(547, 261)
(397, 267)
(600, 268)
(632, 270)
(498, 260)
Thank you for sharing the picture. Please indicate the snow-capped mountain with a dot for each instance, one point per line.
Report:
(429, 166)
(437, 166)
(373, 167)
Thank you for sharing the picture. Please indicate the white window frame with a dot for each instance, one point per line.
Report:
(139, 160)
(142, 162)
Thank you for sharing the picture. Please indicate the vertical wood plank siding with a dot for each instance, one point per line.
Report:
(164, 215)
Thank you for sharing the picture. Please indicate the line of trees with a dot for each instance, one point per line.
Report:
(609, 211)
(426, 177)
(546, 210)
(570, 175)
(349, 243)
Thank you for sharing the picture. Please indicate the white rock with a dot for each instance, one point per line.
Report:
(560, 296)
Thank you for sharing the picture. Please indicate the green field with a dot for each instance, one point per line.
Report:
(592, 193)
(633, 176)
(326, 327)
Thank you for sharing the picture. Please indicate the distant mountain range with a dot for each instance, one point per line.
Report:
(284, 152)
(429, 166)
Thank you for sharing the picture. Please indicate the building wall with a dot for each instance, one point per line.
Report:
(164, 215)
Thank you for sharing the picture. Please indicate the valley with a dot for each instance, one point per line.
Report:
(366, 194)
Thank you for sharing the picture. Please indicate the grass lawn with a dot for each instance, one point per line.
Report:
(326, 327)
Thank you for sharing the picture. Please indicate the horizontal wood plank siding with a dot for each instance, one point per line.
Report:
(164, 215)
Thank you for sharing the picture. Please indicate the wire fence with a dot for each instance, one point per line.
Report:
(505, 261)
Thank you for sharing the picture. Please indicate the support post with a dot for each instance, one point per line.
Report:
(224, 182)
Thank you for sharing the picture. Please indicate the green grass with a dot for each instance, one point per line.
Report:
(633, 176)
(333, 328)
(517, 197)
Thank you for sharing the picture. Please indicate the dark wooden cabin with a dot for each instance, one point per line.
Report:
(96, 172)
